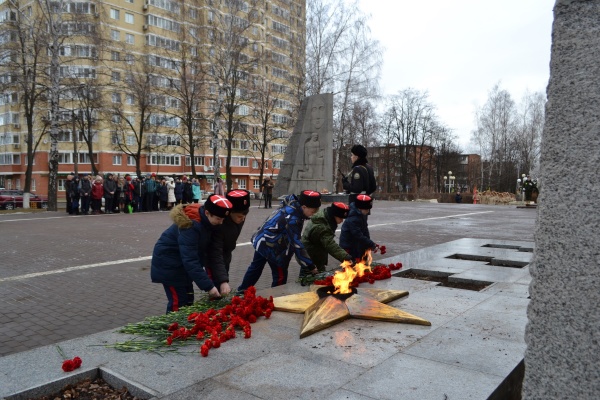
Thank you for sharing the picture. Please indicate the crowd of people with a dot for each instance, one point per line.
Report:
(197, 248)
(127, 194)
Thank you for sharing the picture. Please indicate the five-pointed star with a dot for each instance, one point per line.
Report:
(322, 309)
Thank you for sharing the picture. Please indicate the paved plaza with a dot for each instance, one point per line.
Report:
(65, 277)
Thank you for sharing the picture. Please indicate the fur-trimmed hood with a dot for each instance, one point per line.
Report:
(184, 215)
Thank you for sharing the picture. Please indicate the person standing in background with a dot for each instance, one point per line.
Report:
(218, 189)
(267, 189)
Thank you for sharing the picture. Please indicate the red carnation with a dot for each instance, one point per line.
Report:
(204, 350)
(68, 365)
(77, 362)
(173, 327)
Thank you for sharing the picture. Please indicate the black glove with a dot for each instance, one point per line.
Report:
(345, 179)
(348, 257)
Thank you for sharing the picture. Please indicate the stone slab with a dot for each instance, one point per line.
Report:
(409, 377)
(479, 352)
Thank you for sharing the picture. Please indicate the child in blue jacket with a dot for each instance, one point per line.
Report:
(180, 253)
(278, 239)
(355, 238)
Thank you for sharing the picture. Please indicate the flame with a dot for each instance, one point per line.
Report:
(342, 280)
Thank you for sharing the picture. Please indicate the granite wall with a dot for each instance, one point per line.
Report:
(562, 360)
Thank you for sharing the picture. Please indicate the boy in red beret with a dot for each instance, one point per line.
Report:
(278, 239)
(355, 237)
(224, 240)
(179, 255)
(319, 236)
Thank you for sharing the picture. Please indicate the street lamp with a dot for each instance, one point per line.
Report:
(450, 180)
(445, 183)
(519, 190)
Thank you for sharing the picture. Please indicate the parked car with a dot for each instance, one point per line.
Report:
(11, 199)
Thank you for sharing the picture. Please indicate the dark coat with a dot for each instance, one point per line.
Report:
(180, 253)
(361, 180)
(74, 188)
(355, 233)
(109, 186)
(178, 190)
(163, 192)
(319, 239)
(188, 195)
(85, 188)
(221, 248)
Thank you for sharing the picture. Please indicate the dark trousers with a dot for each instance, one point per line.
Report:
(85, 204)
(75, 205)
(69, 204)
(149, 200)
(268, 198)
(179, 296)
(108, 204)
(254, 271)
(96, 205)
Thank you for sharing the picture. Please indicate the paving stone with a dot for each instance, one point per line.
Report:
(278, 376)
(443, 301)
(408, 377)
(480, 352)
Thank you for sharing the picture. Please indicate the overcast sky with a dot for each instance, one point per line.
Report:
(458, 50)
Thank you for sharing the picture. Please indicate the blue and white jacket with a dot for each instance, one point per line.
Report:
(280, 234)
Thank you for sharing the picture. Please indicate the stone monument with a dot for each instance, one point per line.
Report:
(308, 160)
(563, 333)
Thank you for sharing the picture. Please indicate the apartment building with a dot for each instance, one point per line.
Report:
(149, 86)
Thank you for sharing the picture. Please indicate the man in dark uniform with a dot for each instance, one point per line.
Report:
(361, 180)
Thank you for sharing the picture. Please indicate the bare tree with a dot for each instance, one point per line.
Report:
(342, 58)
(23, 50)
(132, 127)
(495, 133)
(266, 97)
(530, 124)
(232, 56)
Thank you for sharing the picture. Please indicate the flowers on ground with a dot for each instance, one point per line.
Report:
(69, 365)
(213, 322)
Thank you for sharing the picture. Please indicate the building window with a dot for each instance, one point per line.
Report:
(276, 164)
(198, 160)
(129, 99)
(129, 18)
(242, 184)
(129, 38)
(116, 97)
(61, 185)
(33, 185)
(130, 160)
(114, 14)
(117, 160)
(254, 164)
(165, 159)
(256, 184)
(115, 35)
(115, 76)
(115, 56)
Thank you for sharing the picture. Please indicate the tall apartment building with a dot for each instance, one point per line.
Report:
(148, 86)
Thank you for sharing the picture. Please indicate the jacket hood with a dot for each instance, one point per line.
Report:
(184, 215)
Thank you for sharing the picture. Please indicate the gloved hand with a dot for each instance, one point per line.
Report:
(349, 258)
(375, 248)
